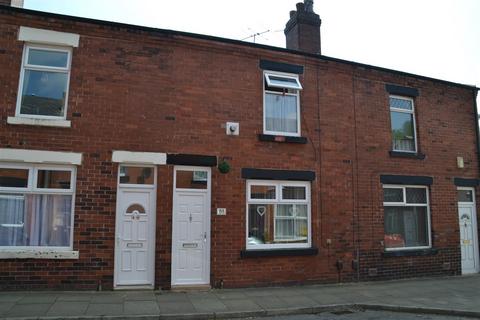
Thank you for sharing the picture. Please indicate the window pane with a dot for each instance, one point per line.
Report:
(35, 220)
(293, 193)
(392, 195)
(260, 223)
(406, 227)
(53, 179)
(398, 103)
(262, 192)
(284, 82)
(47, 58)
(44, 93)
(291, 223)
(402, 131)
(191, 179)
(281, 113)
(465, 195)
(136, 175)
(13, 178)
(416, 195)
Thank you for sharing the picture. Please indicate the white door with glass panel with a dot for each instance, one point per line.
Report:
(135, 227)
(468, 230)
(191, 226)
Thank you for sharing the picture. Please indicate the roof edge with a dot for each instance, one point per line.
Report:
(230, 41)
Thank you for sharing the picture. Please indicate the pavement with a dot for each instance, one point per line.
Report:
(457, 296)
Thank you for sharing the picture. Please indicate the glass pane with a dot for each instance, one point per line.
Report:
(392, 195)
(292, 210)
(406, 227)
(44, 93)
(53, 179)
(136, 175)
(279, 81)
(465, 195)
(260, 223)
(398, 103)
(135, 207)
(13, 178)
(35, 220)
(47, 58)
(402, 131)
(281, 113)
(262, 192)
(191, 179)
(416, 195)
(293, 193)
(291, 223)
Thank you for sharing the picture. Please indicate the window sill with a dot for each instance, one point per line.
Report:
(278, 252)
(288, 139)
(38, 254)
(39, 122)
(410, 253)
(411, 155)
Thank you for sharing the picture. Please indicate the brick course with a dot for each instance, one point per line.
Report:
(141, 90)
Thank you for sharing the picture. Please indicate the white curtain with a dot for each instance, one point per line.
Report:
(281, 113)
(35, 220)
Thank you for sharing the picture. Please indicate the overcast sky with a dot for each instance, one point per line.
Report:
(436, 38)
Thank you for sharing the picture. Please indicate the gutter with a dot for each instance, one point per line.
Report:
(168, 32)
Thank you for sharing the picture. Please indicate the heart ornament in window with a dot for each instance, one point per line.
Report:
(261, 211)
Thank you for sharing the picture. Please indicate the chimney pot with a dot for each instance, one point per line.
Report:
(300, 7)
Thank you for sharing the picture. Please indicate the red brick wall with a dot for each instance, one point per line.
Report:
(145, 91)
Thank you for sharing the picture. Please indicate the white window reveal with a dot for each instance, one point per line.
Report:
(402, 115)
(278, 214)
(281, 104)
(36, 210)
(407, 217)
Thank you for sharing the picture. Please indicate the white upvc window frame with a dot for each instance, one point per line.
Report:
(32, 189)
(265, 76)
(405, 204)
(25, 66)
(278, 184)
(412, 112)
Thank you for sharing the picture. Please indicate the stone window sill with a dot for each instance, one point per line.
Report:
(410, 253)
(39, 122)
(411, 155)
(278, 252)
(288, 139)
(38, 254)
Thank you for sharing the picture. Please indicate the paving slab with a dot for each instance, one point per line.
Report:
(241, 305)
(5, 307)
(176, 307)
(204, 305)
(68, 308)
(31, 310)
(35, 298)
(104, 309)
(75, 297)
(141, 308)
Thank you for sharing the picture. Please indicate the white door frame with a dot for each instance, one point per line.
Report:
(474, 223)
(207, 220)
(151, 231)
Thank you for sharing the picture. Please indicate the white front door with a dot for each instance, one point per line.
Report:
(135, 233)
(468, 230)
(191, 226)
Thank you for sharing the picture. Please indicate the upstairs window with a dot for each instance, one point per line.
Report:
(281, 104)
(44, 80)
(402, 115)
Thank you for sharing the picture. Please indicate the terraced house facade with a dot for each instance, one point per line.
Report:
(133, 157)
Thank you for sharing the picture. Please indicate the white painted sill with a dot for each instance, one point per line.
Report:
(39, 122)
(38, 254)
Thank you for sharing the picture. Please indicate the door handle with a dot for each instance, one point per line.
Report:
(205, 236)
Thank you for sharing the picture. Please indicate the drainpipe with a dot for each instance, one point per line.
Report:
(474, 93)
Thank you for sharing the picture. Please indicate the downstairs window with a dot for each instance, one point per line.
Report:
(278, 214)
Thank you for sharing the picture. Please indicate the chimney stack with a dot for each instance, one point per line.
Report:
(302, 31)
(13, 3)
